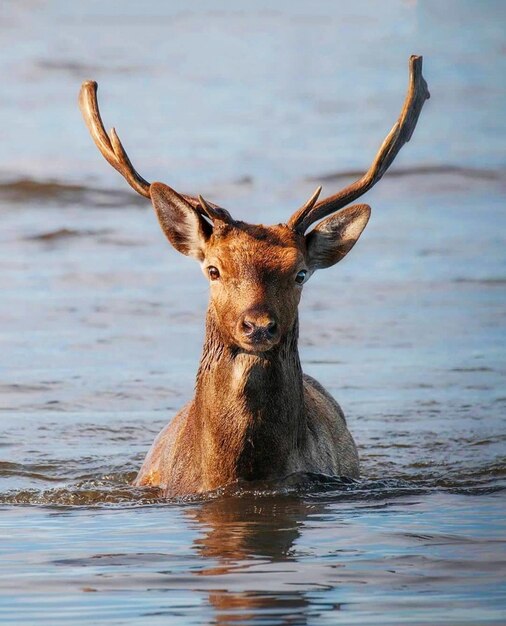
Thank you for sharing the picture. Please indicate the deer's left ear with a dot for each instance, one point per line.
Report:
(333, 238)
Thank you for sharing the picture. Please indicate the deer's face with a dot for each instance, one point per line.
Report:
(256, 273)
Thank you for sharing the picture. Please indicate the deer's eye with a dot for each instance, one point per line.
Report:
(301, 277)
(213, 272)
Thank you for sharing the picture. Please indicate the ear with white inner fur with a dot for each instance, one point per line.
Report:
(333, 238)
(183, 226)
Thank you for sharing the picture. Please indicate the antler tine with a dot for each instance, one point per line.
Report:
(309, 204)
(110, 146)
(396, 138)
(213, 212)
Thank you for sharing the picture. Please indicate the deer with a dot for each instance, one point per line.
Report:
(255, 415)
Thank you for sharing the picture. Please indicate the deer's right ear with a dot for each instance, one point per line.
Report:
(183, 226)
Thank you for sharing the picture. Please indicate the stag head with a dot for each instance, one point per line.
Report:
(257, 272)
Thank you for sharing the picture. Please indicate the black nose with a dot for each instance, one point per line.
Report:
(259, 327)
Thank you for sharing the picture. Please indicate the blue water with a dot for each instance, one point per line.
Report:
(101, 322)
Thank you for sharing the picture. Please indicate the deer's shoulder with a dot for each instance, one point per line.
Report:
(331, 445)
(316, 394)
(153, 472)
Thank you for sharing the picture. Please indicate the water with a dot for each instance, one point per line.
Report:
(101, 323)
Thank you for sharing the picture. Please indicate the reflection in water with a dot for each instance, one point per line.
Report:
(248, 607)
(240, 534)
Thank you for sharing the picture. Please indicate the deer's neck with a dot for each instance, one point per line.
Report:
(248, 409)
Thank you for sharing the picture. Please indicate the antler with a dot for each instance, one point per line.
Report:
(396, 138)
(112, 150)
(109, 146)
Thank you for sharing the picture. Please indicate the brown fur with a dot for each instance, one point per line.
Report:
(254, 415)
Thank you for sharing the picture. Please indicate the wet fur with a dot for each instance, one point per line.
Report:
(253, 417)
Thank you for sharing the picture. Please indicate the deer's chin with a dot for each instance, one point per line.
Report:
(258, 346)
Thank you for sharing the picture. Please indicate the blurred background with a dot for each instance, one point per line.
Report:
(252, 104)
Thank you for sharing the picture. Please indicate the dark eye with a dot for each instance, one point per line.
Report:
(213, 272)
(301, 277)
